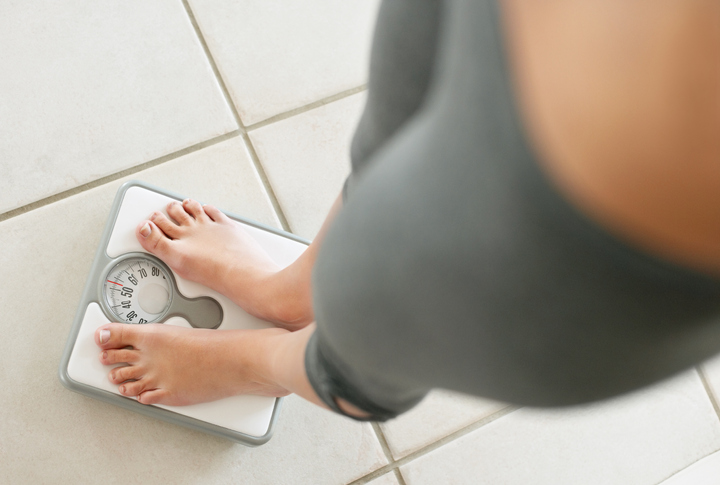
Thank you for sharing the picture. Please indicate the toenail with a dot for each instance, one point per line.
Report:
(104, 355)
(186, 201)
(104, 336)
(122, 389)
(145, 230)
(112, 375)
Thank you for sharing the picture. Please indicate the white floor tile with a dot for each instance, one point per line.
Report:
(222, 175)
(91, 88)
(317, 446)
(51, 435)
(438, 415)
(638, 439)
(277, 56)
(307, 158)
(704, 472)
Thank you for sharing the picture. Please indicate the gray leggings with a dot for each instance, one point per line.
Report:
(456, 264)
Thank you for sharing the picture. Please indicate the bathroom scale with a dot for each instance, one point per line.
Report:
(127, 284)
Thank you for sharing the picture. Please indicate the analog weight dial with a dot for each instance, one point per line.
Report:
(138, 290)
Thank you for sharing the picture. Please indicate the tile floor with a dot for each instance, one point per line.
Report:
(249, 105)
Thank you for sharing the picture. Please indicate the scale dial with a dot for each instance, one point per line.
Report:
(138, 290)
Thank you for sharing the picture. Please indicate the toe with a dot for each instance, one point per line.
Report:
(115, 356)
(194, 208)
(116, 336)
(215, 214)
(121, 374)
(134, 388)
(179, 214)
(154, 396)
(153, 239)
(167, 226)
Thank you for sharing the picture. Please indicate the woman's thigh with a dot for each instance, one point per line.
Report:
(401, 66)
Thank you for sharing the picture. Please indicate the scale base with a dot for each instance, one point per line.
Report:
(245, 419)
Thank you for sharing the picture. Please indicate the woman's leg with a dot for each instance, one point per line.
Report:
(401, 67)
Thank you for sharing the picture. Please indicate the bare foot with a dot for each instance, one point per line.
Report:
(179, 366)
(202, 244)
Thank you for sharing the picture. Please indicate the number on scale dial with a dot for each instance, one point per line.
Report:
(138, 290)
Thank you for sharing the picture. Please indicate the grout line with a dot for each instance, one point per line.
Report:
(266, 183)
(457, 434)
(387, 469)
(434, 446)
(686, 467)
(708, 390)
(116, 176)
(386, 449)
(383, 441)
(226, 92)
(307, 107)
(399, 477)
(236, 114)
(241, 131)
(213, 66)
(716, 407)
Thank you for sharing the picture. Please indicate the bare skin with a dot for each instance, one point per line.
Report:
(202, 244)
(172, 365)
(179, 366)
(622, 102)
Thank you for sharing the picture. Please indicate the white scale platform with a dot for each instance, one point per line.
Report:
(245, 419)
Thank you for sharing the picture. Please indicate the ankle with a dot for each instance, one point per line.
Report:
(263, 359)
(272, 298)
(289, 301)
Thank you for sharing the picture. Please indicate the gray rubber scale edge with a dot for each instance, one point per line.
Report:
(90, 295)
